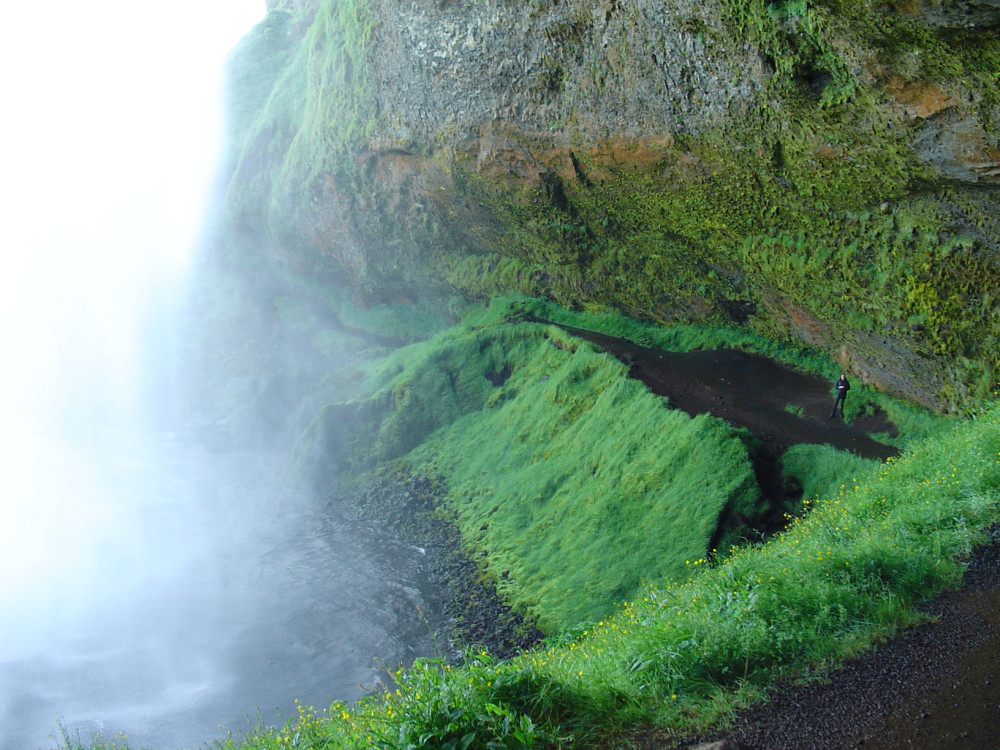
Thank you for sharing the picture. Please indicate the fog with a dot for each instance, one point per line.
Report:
(148, 585)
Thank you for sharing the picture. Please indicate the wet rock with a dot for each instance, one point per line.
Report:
(959, 148)
(960, 14)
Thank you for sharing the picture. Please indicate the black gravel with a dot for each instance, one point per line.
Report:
(474, 614)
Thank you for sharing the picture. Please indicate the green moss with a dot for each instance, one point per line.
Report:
(254, 68)
(820, 471)
(786, 203)
(799, 215)
(896, 275)
(298, 119)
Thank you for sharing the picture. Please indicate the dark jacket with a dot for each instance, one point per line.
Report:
(842, 387)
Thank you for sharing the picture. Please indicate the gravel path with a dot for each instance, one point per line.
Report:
(935, 686)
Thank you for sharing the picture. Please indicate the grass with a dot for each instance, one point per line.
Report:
(69, 741)
(570, 481)
(579, 484)
(678, 337)
(683, 655)
(820, 469)
(299, 99)
(671, 645)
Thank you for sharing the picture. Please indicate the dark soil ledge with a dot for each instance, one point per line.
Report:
(746, 390)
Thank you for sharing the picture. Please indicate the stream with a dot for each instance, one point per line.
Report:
(190, 594)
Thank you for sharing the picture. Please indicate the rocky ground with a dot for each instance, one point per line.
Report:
(473, 612)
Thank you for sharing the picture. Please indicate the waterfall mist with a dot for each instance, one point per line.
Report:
(148, 585)
(107, 167)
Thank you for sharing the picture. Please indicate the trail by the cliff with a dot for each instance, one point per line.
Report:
(933, 687)
(751, 391)
(779, 406)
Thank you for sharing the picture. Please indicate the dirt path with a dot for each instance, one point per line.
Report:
(748, 390)
(934, 687)
(780, 406)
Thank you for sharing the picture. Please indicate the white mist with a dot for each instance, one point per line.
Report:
(147, 586)
(109, 141)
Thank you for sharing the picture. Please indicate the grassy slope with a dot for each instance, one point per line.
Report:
(579, 484)
(573, 479)
(682, 655)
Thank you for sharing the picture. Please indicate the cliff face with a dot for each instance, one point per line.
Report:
(826, 172)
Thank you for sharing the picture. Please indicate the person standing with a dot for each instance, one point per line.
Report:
(842, 387)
